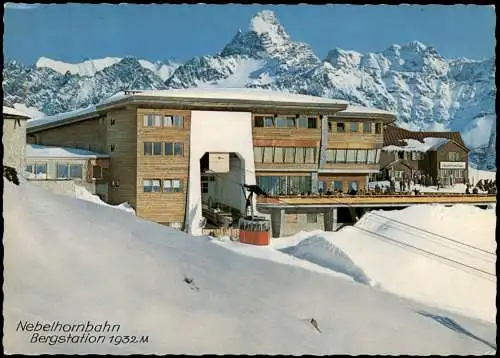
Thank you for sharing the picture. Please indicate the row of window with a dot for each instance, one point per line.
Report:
(312, 122)
(160, 120)
(452, 156)
(285, 155)
(163, 148)
(453, 173)
(169, 185)
(64, 170)
(285, 185)
(410, 155)
(337, 185)
(340, 127)
(285, 122)
(354, 156)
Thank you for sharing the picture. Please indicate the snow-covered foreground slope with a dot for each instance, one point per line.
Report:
(458, 280)
(72, 261)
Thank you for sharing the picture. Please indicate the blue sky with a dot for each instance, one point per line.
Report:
(75, 32)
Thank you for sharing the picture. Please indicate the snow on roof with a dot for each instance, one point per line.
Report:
(36, 122)
(413, 145)
(250, 94)
(14, 112)
(42, 151)
(363, 110)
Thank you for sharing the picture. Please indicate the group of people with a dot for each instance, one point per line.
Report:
(485, 185)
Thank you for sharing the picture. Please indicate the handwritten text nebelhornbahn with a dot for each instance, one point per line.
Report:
(57, 326)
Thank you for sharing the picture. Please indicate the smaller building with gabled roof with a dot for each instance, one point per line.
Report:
(423, 156)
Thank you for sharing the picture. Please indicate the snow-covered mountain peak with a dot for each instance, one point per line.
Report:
(265, 23)
(85, 68)
(342, 58)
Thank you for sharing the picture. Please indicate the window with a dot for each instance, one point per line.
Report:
(330, 155)
(340, 127)
(299, 155)
(290, 122)
(377, 159)
(152, 148)
(112, 122)
(353, 185)
(402, 155)
(281, 122)
(158, 120)
(303, 123)
(96, 172)
(204, 187)
(69, 171)
(453, 156)
(367, 127)
(179, 121)
(112, 148)
(378, 128)
(259, 121)
(168, 121)
(354, 127)
(268, 122)
(38, 169)
(258, 152)
(398, 174)
(179, 149)
(278, 155)
(362, 155)
(341, 155)
(148, 120)
(174, 149)
(310, 155)
(330, 126)
(351, 156)
(172, 186)
(312, 122)
(268, 154)
(336, 185)
(289, 155)
(151, 185)
(312, 218)
(417, 156)
(372, 154)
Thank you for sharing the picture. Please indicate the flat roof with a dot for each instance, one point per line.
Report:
(44, 151)
(14, 112)
(365, 112)
(228, 95)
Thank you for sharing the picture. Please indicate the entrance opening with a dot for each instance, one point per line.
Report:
(222, 194)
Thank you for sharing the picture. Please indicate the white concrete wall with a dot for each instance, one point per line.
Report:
(14, 143)
(216, 131)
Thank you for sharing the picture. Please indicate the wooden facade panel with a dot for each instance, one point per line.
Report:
(162, 207)
(277, 167)
(352, 140)
(352, 166)
(286, 143)
(313, 134)
(89, 135)
(121, 147)
(282, 173)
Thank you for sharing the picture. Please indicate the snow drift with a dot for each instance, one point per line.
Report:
(73, 261)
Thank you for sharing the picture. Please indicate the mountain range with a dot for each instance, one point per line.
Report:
(424, 89)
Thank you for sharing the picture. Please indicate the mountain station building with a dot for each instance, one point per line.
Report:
(168, 153)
